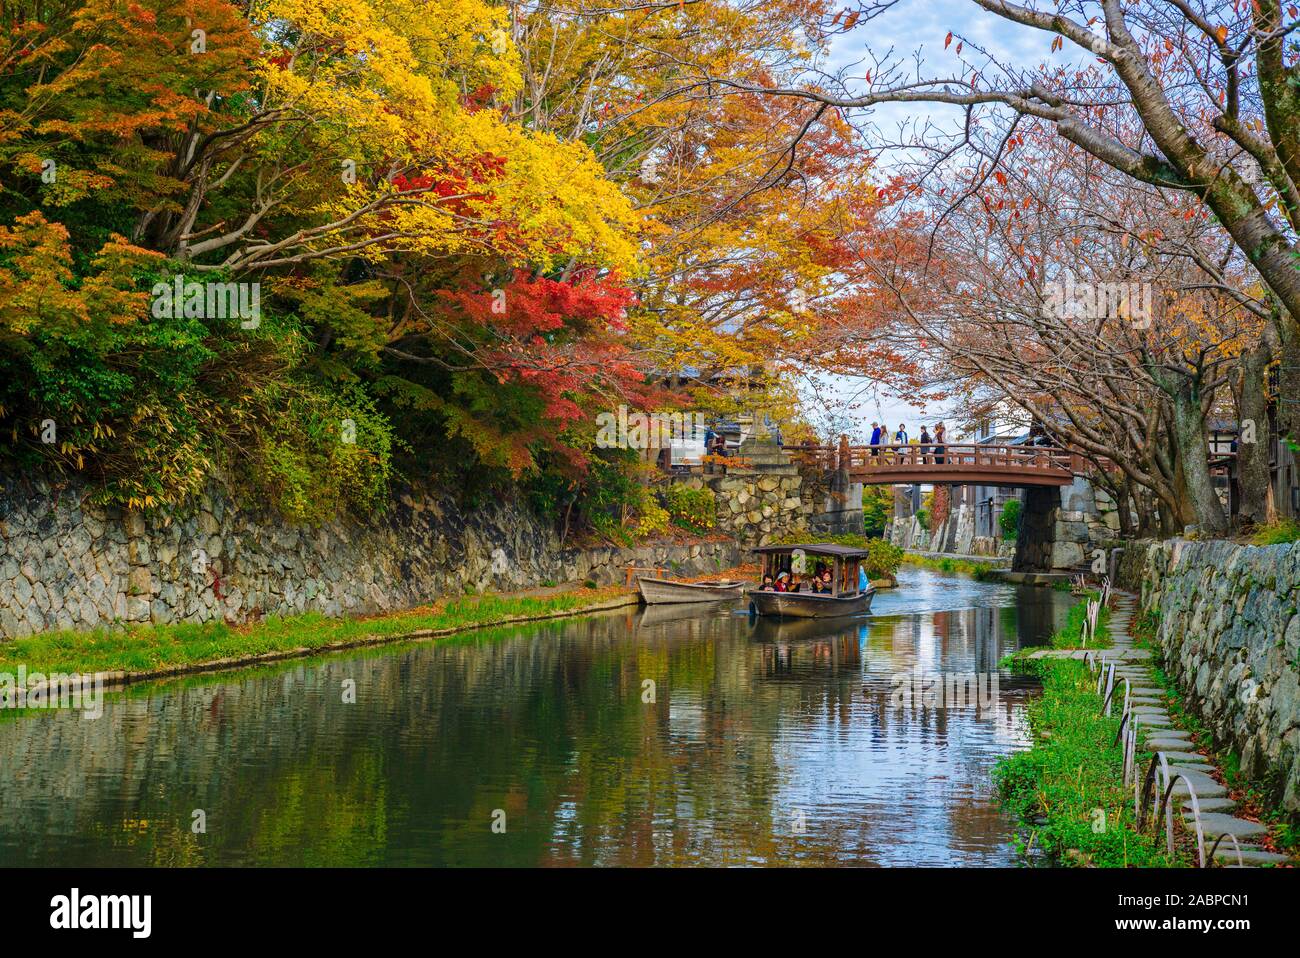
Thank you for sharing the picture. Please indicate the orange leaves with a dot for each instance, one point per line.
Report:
(1057, 44)
(947, 40)
(1000, 177)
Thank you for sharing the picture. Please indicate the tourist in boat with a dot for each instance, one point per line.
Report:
(796, 584)
(768, 585)
(822, 584)
(783, 582)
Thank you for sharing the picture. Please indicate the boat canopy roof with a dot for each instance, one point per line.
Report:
(816, 549)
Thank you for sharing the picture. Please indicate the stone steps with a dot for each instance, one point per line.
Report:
(1158, 733)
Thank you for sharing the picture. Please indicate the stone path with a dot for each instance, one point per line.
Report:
(1158, 732)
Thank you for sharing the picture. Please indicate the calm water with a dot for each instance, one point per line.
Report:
(766, 743)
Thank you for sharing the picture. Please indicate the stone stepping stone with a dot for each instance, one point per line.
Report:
(1168, 733)
(1166, 745)
(1210, 805)
(1175, 756)
(1205, 786)
(1205, 767)
(1214, 824)
(1250, 856)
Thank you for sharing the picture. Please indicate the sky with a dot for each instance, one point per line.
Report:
(908, 27)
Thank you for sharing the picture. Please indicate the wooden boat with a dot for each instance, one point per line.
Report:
(845, 597)
(667, 613)
(655, 591)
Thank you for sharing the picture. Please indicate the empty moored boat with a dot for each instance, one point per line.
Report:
(655, 591)
(845, 597)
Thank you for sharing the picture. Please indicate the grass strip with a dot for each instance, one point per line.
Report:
(1067, 789)
(149, 648)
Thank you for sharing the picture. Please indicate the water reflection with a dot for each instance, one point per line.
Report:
(758, 742)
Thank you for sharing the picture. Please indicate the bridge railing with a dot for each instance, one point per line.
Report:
(948, 457)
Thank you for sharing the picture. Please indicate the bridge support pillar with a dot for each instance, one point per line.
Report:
(1064, 529)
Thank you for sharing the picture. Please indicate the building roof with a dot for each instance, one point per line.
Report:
(819, 548)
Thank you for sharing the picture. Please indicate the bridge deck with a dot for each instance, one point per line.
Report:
(949, 464)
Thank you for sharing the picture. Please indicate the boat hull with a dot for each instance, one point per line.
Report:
(801, 605)
(662, 591)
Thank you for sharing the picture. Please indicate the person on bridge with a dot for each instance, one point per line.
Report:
(925, 441)
(938, 439)
(900, 438)
(876, 432)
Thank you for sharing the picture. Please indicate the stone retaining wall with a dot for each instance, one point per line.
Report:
(756, 509)
(1229, 634)
(65, 564)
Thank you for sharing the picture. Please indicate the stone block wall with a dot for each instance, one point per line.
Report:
(1229, 635)
(65, 564)
(1062, 528)
(759, 508)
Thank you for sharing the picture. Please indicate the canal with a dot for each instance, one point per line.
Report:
(664, 736)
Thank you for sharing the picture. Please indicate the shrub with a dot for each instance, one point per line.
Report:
(1010, 518)
(694, 509)
(923, 517)
(883, 560)
(1277, 533)
(653, 519)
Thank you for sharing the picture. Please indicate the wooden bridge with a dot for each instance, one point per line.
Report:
(954, 464)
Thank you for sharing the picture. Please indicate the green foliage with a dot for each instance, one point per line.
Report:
(1069, 787)
(981, 571)
(1009, 520)
(923, 517)
(877, 509)
(693, 509)
(653, 519)
(608, 493)
(323, 455)
(883, 560)
(149, 407)
(1278, 533)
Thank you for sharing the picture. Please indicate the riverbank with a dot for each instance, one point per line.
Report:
(1068, 789)
(981, 569)
(121, 656)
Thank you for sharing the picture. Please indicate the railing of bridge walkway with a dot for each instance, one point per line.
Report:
(947, 457)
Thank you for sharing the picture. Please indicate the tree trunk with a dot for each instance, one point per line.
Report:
(1194, 458)
(1254, 439)
(1123, 496)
